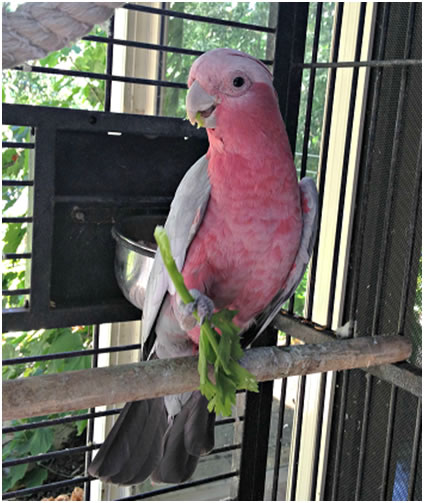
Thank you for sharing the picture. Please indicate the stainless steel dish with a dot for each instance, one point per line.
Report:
(133, 258)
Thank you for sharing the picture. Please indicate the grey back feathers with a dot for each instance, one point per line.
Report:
(134, 446)
(144, 442)
(185, 216)
(190, 435)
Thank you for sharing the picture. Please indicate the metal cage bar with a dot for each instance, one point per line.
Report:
(389, 441)
(280, 426)
(364, 431)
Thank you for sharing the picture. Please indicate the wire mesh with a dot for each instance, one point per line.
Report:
(385, 272)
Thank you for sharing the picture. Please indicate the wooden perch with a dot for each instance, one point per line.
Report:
(81, 389)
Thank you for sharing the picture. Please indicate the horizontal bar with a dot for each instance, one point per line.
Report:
(17, 183)
(90, 120)
(142, 45)
(132, 201)
(354, 64)
(53, 422)
(180, 487)
(16, 256)
(101, 76)
(152, 47)
(225, 448)
(228, 420)
(403, 375)
(17, 220)
(202, 19)
(86, 448)
(21, 291)
(46, 487)
(69, 354)
(17, 144)
(303, 329)
(49, 455)
(21, 319)
(81, 389)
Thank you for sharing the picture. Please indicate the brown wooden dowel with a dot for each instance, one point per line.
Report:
(82, 389)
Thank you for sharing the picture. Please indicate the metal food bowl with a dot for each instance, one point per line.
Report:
(133, 258)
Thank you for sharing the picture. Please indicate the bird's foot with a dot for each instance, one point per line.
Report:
(202, 304)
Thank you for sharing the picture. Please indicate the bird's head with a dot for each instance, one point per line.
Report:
(229, 87)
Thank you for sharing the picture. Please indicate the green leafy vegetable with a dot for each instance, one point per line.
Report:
(219, 344)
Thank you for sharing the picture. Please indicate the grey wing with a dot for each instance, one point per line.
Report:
(309, 203)
(185, 216)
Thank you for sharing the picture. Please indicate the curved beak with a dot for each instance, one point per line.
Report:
(200, 106)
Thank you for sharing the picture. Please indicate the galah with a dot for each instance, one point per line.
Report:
(241, 229)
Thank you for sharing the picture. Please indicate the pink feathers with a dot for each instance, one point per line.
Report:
(250, 234)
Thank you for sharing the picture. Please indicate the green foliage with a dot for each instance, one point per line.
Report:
(12, 475)
(44, 342)
(40, 440)
(221, 348)
(29, 88)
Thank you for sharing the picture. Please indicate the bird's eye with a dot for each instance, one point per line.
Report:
(238, 82)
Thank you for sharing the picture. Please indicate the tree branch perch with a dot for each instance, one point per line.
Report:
(81, 389)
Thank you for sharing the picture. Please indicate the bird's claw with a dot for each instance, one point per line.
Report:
(202, 304)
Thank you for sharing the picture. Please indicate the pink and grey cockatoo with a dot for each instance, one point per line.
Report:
(242, 230)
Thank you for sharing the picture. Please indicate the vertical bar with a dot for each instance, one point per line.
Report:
(364, 431)
(345, 169)
(109, 64)
(410, 244)
(392, 173)
(311, 89)
(42, 238)
(414, 456)
(290, 50)
(317, 441)
(280, 428)
(255, 437)
(368, 162)
(292, 23)
(324, 155)
(90, 424)
(279, 443)
(160, 60)
(389, 442)
(339, 438)
(298, 438)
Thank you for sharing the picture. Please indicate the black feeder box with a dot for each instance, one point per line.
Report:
(92, 170)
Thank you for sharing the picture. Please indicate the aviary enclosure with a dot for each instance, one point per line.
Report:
(95, 131)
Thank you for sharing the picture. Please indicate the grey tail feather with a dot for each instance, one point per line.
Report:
(134, 447)
(189, 436)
